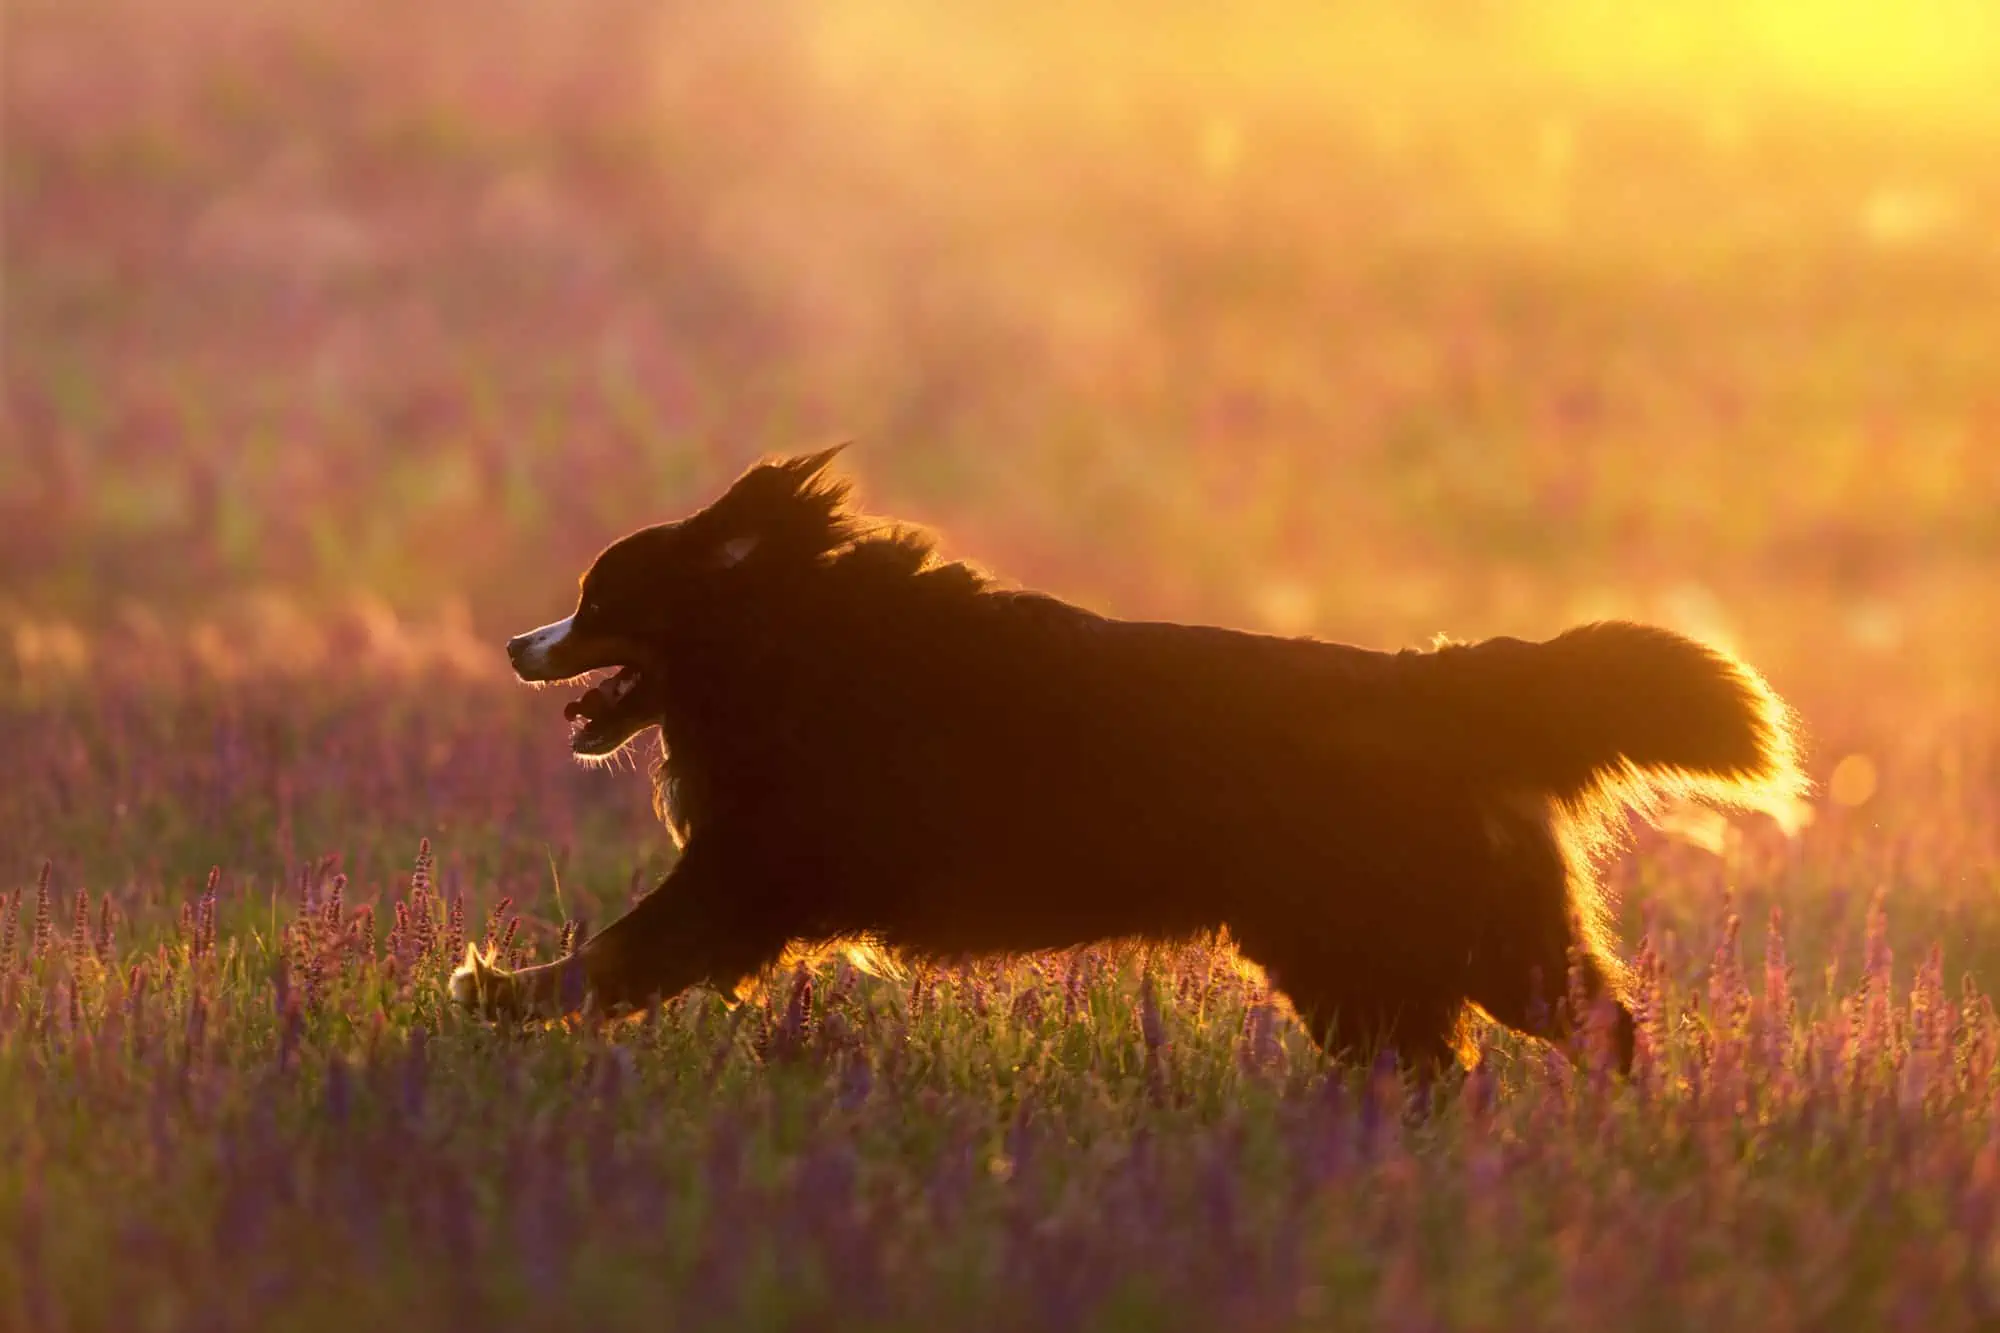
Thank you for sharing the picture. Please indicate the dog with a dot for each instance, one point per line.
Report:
(860, 738)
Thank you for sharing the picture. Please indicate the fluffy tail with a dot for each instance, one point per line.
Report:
(1612, 715)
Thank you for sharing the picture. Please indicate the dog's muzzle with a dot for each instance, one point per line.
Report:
(537, 654)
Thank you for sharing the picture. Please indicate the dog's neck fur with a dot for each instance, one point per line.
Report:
(789, 638)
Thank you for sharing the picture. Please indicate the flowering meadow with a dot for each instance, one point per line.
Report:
(338, 338)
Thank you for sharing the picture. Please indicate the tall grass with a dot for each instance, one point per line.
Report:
(238, 1128)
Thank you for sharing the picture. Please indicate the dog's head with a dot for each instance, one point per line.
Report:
(649, 596)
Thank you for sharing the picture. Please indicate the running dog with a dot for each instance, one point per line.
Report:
(861, 739)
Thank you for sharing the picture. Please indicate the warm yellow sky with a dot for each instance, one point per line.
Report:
(1932, 56)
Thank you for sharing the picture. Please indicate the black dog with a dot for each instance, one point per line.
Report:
(860, 739)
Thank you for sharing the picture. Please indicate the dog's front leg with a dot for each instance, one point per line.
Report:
(707, 922)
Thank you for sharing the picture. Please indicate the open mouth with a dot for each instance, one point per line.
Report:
(616, 707)
(609, 713)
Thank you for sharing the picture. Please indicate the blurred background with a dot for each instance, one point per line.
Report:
(340, 335)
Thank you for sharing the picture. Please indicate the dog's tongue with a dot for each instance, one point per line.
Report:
(602, 697)
(593, 702)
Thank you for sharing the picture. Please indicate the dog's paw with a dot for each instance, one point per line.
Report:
(484, 987)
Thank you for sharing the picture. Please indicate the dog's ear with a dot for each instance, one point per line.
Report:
(806, 468)
(735, 550)
(794, 504)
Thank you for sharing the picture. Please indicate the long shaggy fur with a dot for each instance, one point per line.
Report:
(863, 740)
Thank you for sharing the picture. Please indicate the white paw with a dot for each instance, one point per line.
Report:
(477, 983)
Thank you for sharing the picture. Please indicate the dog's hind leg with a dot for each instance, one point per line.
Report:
(1519, 971)
(1354, 1017)
(1532, 997)
(702, 925)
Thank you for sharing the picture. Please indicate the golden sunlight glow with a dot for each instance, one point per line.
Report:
(1853, 781)
(1929, 54)
(1918, 54)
